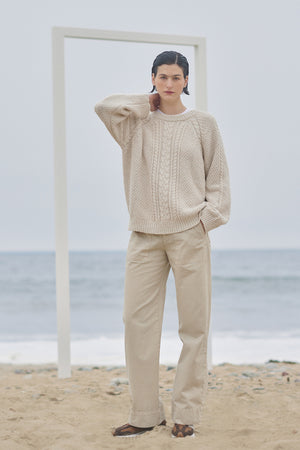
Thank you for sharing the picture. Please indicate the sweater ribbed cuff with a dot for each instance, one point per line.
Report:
(211, 218)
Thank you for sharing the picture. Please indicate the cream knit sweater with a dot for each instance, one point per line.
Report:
(174, 166)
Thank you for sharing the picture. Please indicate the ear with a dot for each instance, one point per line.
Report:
(186, 80)
(153, 78)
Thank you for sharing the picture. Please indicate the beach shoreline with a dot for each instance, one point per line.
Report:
(252, 406)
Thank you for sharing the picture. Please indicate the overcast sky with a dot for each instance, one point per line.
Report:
(253, 71)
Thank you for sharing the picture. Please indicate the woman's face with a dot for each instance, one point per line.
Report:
(169, 81)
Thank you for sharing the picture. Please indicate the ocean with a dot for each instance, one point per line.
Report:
(255, 307)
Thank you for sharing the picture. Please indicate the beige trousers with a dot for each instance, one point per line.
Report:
(148, 261)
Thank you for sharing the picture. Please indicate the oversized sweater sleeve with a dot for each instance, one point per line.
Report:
(217, 202)
(121, 113)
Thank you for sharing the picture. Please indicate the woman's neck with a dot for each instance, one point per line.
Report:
(169, 108)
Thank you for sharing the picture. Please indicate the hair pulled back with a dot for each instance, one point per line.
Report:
(171, 57)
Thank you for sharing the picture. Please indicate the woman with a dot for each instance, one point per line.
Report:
(176, 182)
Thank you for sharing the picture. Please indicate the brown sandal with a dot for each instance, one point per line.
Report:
(128, 430)
(180, 430)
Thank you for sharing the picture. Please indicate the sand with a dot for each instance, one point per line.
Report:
(248, 407)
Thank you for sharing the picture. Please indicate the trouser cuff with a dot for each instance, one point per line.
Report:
(187, 416)
(145, 419)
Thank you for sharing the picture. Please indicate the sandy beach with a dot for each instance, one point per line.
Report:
(248, 406)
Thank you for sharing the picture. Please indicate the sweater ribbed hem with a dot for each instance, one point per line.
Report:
(167, 227)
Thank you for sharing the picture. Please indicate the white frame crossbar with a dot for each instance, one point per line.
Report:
(60, 162)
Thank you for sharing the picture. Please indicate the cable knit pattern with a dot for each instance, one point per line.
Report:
(174, 166)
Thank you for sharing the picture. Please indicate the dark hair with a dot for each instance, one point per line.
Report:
(171, 57)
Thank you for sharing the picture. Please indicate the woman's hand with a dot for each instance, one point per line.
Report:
(154, 100)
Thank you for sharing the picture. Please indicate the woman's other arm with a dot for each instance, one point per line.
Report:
(217, 192)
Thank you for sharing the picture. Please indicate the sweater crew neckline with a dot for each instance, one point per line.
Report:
(173, 117)
(177, 114)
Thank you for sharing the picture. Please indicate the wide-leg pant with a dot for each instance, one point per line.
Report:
(148, 261)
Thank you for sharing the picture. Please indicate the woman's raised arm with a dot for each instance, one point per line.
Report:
(120, 114)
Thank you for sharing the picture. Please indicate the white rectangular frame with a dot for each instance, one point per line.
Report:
(60, 164)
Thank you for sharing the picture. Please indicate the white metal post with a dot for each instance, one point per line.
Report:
(201, 103)
(61, 210)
